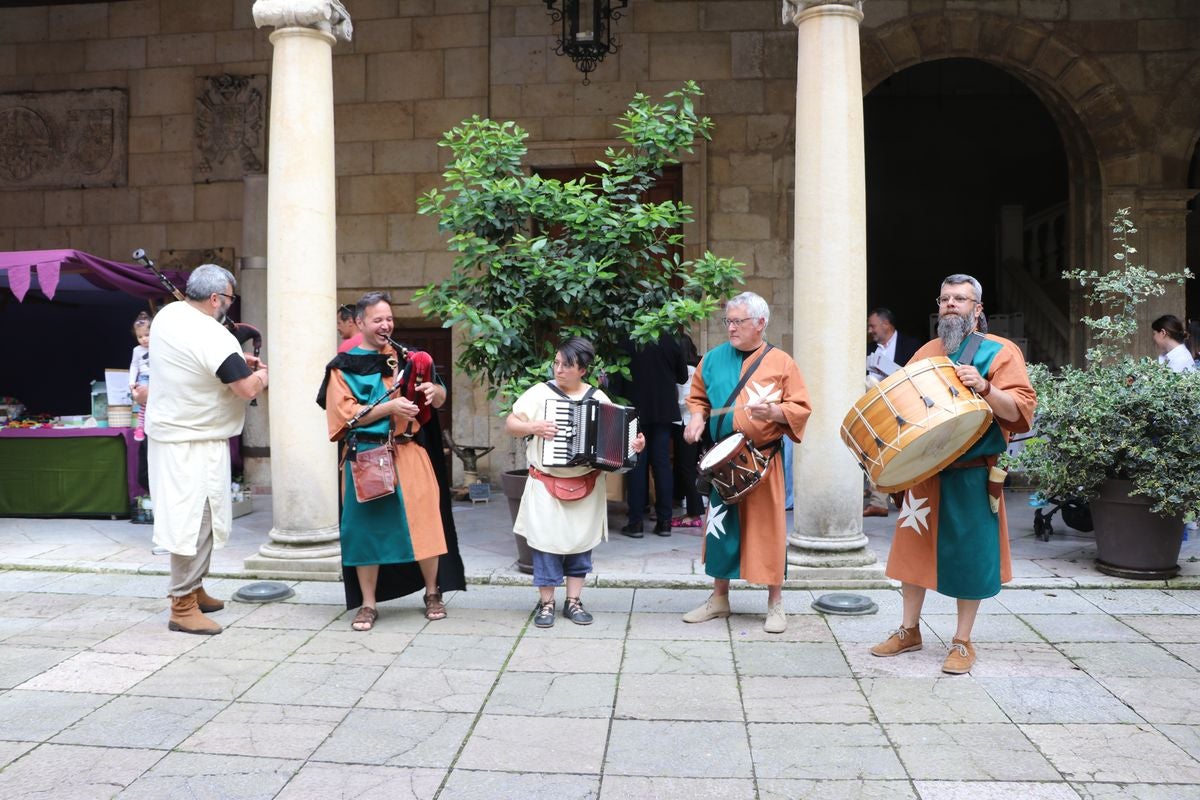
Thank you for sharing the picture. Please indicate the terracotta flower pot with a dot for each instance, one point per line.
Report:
(513, 484)
(1131, 542)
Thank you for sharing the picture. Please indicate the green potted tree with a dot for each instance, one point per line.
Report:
(539, 259)
(1120, 432)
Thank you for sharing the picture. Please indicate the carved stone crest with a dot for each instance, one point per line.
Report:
(229, 137)
(63, 139)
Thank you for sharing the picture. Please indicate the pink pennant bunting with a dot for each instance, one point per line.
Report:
(18, 280)
(47, 273)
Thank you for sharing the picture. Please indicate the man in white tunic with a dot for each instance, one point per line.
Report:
(202, 383)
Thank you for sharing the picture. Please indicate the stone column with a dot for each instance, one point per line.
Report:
(252, 285)
(830, 286)
(301, 286)
(1161, 218)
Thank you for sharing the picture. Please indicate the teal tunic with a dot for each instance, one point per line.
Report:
(375, 532)
(968, 540)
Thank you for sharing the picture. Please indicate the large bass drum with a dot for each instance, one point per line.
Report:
(914, 423)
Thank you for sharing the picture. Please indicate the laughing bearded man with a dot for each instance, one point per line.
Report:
(948, 538)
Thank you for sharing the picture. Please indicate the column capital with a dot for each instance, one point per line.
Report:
(329, 16)
(792, 9)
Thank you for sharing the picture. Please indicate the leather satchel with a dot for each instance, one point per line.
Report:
(374, 473)
(567, 488)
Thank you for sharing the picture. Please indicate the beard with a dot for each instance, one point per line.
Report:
(953, 329)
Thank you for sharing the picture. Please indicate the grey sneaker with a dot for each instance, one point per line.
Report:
(574, 611)
(543, 614)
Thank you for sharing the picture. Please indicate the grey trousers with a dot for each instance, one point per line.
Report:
(187, 572)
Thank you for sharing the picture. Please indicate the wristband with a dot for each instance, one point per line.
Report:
(986, 390)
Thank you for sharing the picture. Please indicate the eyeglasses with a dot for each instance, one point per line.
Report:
(232, 297)
(958, 299)
(735, 322)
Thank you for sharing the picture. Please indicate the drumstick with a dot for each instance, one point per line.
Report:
(735, 407)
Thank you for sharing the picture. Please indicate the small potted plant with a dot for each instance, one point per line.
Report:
(538, 259)
(1121, 433)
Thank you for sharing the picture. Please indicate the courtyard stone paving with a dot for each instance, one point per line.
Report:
(1078, 693)
(1086, 686)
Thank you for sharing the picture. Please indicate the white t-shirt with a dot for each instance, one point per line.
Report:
(1178, 358)
(190, 402)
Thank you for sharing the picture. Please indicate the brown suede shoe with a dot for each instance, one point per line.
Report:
(207, 603)
(186, 617)
(960, 659)
(902, 640)
(875, 511)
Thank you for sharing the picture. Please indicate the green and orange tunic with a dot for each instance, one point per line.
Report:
(947, 538)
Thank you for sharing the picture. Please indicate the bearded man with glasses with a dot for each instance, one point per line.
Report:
(749, 387)
(949, 537)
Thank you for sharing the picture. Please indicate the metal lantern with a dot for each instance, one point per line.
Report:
(586, 30)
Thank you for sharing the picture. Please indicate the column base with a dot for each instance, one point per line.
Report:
(307, 569)
(303, 555)
(836, 554)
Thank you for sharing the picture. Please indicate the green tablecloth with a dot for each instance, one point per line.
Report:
(63, 477)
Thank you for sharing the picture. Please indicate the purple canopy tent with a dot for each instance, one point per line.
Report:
(19, 266)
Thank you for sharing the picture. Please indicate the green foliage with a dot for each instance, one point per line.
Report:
(1118, 417)
(538, 260)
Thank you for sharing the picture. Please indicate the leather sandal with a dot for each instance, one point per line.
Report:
(364, 620)
(435, 609)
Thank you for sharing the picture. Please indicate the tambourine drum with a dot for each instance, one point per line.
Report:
(914, 423)
(735, 467)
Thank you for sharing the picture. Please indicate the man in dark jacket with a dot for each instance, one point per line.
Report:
(887, 342)
(655, 371)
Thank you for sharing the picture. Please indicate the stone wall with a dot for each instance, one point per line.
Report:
(1127, 68)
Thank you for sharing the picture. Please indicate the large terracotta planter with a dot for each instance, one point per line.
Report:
(513, 485)
(1131, 542)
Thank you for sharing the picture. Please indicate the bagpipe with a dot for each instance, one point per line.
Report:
(240, 330)
(410, 368)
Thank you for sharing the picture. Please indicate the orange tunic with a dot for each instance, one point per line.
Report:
(762, 518)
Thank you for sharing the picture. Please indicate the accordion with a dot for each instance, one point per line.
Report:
(590, 433)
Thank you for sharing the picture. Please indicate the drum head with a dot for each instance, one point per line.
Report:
(722, 450)
(933, 451)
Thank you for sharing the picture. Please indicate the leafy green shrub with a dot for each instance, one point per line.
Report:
(1117, 417)
(539, 259)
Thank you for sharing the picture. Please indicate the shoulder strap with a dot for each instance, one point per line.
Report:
(557, 390)
(973, 342)
(745, 377)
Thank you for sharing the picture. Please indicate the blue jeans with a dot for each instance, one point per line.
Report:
(549, 568)
(657, 455)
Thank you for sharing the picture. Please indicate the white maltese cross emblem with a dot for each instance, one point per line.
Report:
(913, 514)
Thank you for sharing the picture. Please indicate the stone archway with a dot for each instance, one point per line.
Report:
(1105, 149)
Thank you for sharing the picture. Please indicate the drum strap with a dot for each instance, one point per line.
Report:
(745, 377)
(973, 342)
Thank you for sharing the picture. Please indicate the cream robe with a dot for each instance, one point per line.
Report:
(547, 523)
(189, 418)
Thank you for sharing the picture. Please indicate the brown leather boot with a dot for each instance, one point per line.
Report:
(208, 604)
(186, 617)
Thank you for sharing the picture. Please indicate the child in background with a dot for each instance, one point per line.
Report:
(139, 369)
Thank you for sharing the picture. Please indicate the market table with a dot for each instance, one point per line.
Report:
(68, 472)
